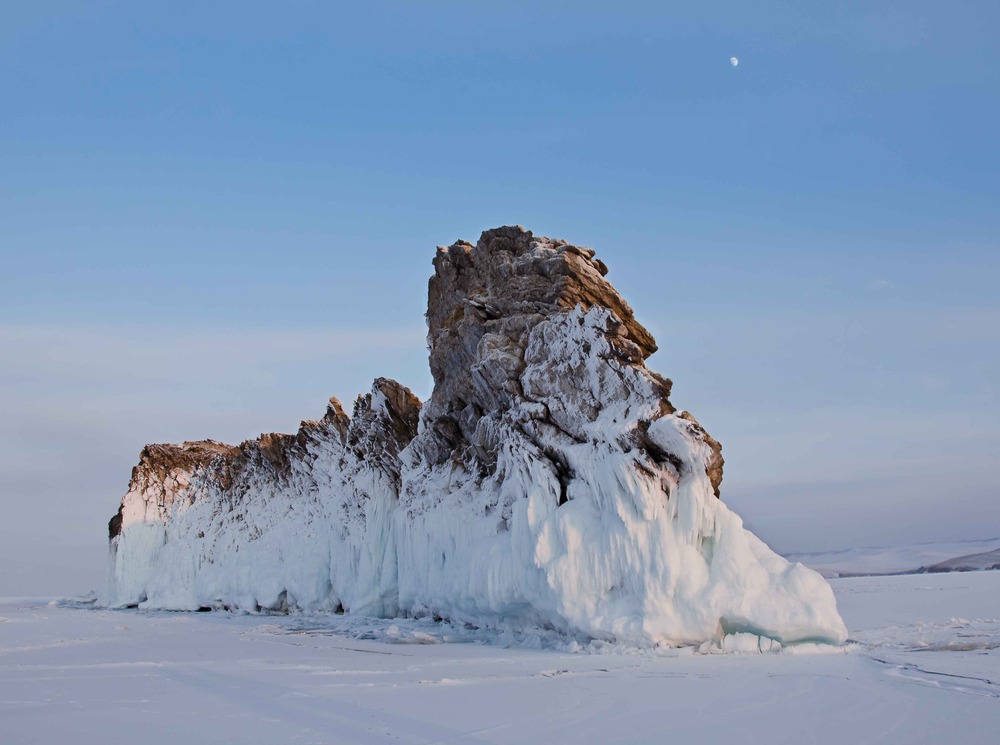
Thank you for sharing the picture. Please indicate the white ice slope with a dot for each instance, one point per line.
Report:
(549, 483)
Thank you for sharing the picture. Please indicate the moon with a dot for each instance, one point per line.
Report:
(734, 61)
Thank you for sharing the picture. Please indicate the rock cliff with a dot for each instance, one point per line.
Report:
(548, 481)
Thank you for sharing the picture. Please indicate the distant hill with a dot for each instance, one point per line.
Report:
(967, 563)
(953, 556)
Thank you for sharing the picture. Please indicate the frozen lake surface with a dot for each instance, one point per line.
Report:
(923, 667)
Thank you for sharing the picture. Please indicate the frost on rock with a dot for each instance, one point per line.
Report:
(548, 482)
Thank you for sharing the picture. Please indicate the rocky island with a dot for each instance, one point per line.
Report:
(547, 482)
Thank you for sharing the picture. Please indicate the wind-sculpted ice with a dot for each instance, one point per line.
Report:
(547, 483)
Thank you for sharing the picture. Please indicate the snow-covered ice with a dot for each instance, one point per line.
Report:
(922, 667)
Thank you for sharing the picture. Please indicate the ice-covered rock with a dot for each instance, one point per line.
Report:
(303, 520)
(547, 482)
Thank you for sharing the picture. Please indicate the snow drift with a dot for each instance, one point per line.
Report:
(547, 482)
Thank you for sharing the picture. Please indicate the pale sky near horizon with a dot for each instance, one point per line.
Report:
(214, 218)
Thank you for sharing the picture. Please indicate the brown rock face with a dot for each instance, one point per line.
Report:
(484, 300)
(379, 432)
(163, 470)
(511, 279)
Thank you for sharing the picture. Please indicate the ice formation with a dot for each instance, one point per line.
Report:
(548, 482)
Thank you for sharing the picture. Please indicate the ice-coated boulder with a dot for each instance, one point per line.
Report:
(548, 481)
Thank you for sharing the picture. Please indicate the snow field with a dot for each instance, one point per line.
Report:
(91, 675)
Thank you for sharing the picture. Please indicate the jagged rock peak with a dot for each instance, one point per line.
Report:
(384, 422)
(485, 302)
(511, 279)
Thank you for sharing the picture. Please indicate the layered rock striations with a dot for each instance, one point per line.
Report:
(548, 481)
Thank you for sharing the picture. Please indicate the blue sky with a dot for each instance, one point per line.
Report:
(211, 219)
